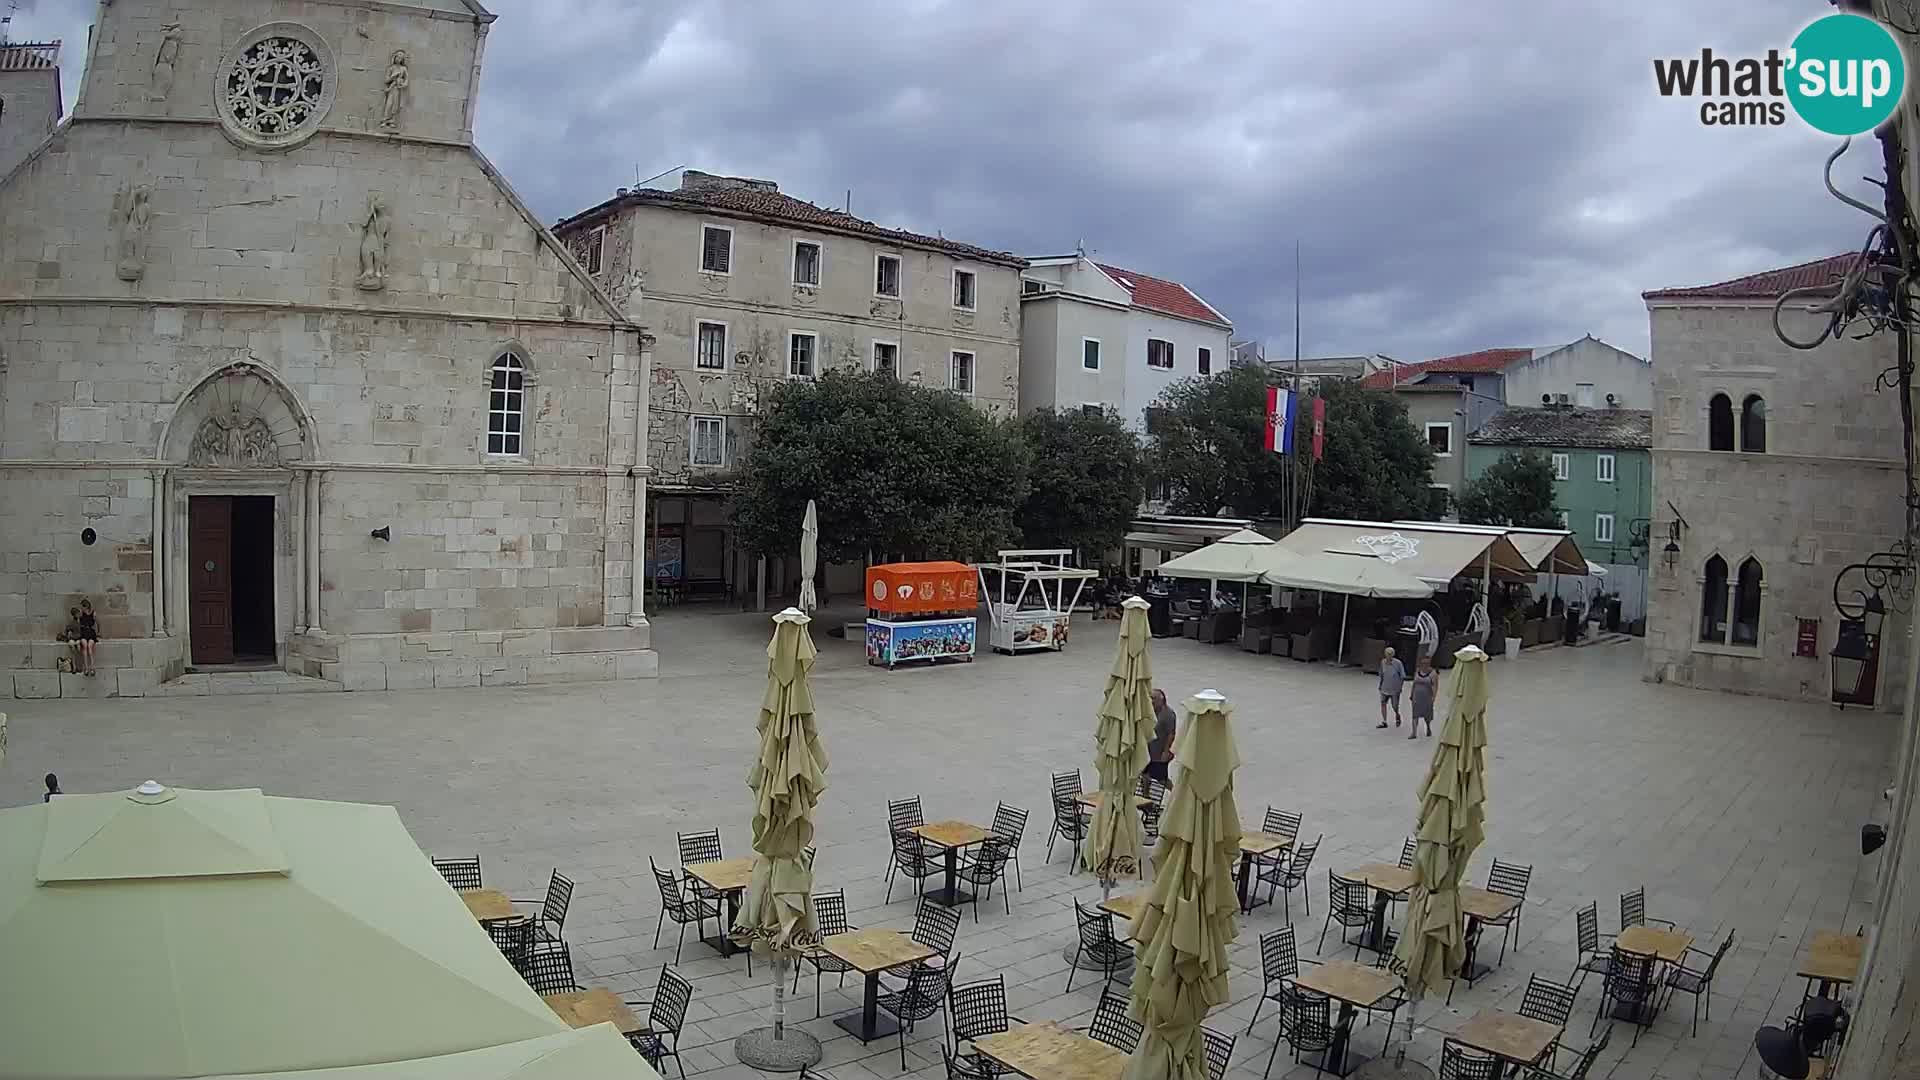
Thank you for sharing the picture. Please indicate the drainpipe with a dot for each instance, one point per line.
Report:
(638, 617)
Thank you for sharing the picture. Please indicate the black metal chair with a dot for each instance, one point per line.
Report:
(666, 1015)
(829, 918)
(701, 847)
(1219, 1052)
(1458, 1061)
(1583, 1063)
(1549, 1002)
(1349, 903)
(1592, 960)
(1508, 879)
(682, 909)
(1112, 1025)
(1629, 984)
(976, 1010)
(986, 868)
(1070, 823)
(934, 926)
(1156, 795)
(1065, 784)
(921, 997)
(1633, 910)
(553, 909)
(911, 855)
(514, 938)
(1698, 982)
(460, 873)
(548, 969)
(1010, 824)
(1279, 966)
(1306, 1025)
(1098, 943)
(1282, 823)
(1407, 852)
(1290, 874)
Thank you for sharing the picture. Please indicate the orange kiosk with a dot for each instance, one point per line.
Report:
(920, 611)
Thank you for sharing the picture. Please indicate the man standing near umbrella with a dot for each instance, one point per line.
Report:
(1160, 747)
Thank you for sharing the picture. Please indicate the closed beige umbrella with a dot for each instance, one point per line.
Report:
(776, 916)
(809, 557)
(1191, 912)
(1452, 816)
(1125, 724)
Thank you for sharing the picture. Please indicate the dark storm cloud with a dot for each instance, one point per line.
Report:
(1458, 176)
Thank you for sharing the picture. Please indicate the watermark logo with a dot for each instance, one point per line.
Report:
(1843, 75)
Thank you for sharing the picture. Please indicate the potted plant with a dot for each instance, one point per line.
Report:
(1516, 621)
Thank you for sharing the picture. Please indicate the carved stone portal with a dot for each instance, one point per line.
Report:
(234, 442)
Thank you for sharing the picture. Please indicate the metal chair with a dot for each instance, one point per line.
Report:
(934, 926)
(460, 873)
(1219, 1052)
(1065, 784)
(1407, 852)
(910, 855)
(1112, 1025)
(1282, 823)
(1508, 879)
(1591, 960)
(1279, 966)
(553, 909)
(666, 1015)
(1070, 823)
(1349, 903)
(1156, 795)
(514, 937)
(701, 847)
(1583, 1064)
(1458, 1061)
(976, 1010)
(1628, 984)
(1010, 824)
(1306, 1024)
(1098, 942)
(1291, 874)
(921, 997)
(1698, 982)
(680, 908)
(829, 918)
(548, 969)
(1633, 910)
(984, 869)
(1548, 1001)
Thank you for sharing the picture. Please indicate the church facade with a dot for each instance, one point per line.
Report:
(290, 376)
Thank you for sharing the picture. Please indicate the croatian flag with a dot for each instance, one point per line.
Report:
(1280, 420)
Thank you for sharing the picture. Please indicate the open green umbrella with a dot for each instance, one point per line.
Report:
(1125, 724)
(1190, 916)
(1452, 814)
(787, 778)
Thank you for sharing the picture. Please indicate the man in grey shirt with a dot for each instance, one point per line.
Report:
(1160, 747)
(1393, 676)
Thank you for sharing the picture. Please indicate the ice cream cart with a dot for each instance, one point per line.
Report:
(920, 611)
(1031, 593)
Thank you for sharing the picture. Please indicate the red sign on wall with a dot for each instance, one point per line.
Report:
(1807, 642)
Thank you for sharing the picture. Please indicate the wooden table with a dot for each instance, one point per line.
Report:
(1091, 800)
(953, 836)
(1479, 905)
(1050, 1052)
(1254, 845)
(585, 1008)
(1832, 959)
(1387, 883)
(488, 905)
(1665, 946)
(1354, 987)
(871, 952)
(1127, 907)
(729, 878)
(1519, 1039)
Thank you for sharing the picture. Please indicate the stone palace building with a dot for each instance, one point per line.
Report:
(290, 376)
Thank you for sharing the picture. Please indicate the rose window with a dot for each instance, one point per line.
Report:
(275, 86)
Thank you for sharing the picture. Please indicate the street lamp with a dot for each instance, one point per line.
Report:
(1855, 654)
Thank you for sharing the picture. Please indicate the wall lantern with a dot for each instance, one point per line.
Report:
(1852, 653)
(1863, 613)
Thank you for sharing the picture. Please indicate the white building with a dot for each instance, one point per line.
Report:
(1100, 337)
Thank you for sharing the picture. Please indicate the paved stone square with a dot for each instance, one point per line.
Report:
(1735, 812)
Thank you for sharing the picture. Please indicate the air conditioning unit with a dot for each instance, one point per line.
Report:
(1561, 399)
(1546, 399)
(1611, 400)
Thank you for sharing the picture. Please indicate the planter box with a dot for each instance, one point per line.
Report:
(1556, 629)
(1367, 653)
(1530, 632)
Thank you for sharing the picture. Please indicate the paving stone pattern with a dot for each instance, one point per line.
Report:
(1735, 812)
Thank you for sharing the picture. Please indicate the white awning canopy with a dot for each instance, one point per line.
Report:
(1349, 572)
(1239, 556)
(1434, 553)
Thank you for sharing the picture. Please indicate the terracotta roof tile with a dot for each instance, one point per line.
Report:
(1159, 294)
(1598, 429)
(1766, 285)
(1462, 364)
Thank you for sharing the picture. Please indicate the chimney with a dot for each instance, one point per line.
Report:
(693, 179)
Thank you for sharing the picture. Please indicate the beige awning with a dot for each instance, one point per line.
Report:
(1238, 556)
(1433, 553)
(1548, 551)
(1354, 573)
(597, 1051)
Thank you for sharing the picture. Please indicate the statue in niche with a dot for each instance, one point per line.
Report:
(373, 246)
(132, 212)
(232, 442)
(396, 100)
(164, 61)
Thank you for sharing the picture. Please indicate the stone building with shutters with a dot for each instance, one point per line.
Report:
(1773, 471)
(290, 376)
(744, 287)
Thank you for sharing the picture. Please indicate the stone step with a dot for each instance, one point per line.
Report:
(211, 683)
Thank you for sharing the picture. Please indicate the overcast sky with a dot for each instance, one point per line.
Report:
(1458, 176)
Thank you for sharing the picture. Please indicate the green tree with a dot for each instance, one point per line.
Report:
(1208, 445)
(1087, 480)
(1517, 490)
(1377, 466)
(893, 468)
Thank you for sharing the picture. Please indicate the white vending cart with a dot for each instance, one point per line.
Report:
(1030, 595)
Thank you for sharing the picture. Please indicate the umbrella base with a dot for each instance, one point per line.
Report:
(793, 1051)
(1123, 970)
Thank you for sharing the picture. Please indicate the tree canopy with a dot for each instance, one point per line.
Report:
(1377, 465)
(1517, 490)
(893, 469)
(1086, 480)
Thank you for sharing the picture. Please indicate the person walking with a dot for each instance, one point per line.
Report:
(1160, 747)
(1426, 687)
(1393, 676)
